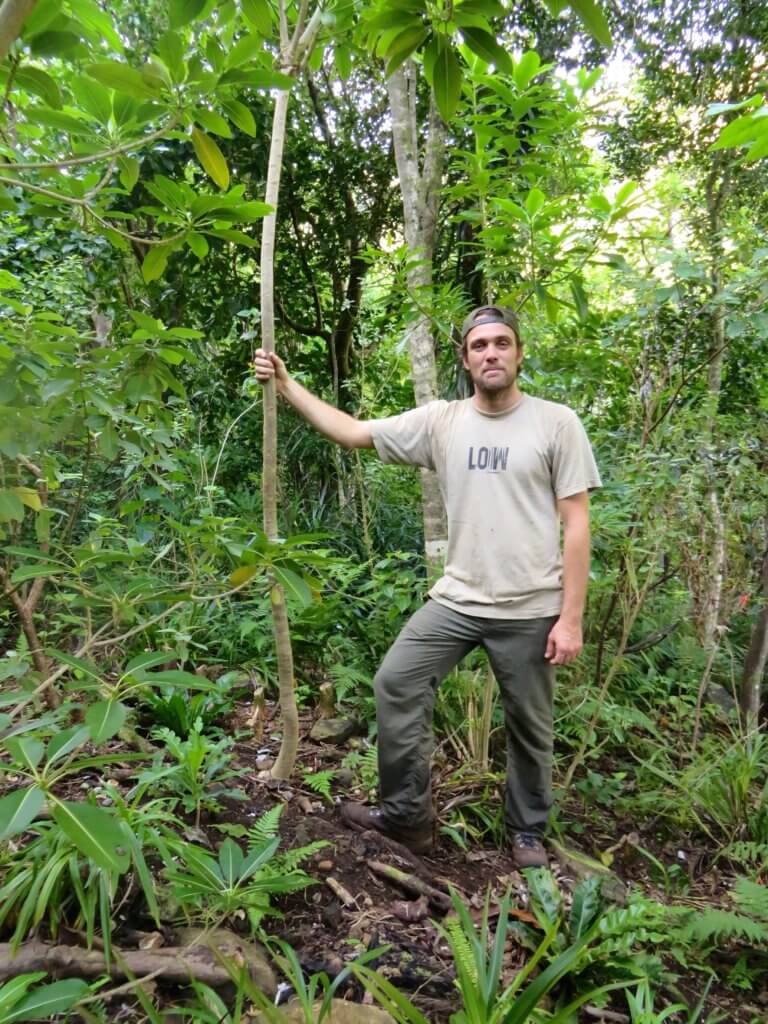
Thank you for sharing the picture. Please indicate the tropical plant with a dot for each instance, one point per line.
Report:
(22, 998)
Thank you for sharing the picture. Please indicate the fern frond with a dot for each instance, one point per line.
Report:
(291, 859)
(320, 782)
(265, 827)
(751, 898)
(720, 925)
(747, 853)
(462, 950)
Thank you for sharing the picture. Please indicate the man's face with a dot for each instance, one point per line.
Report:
(492, 358)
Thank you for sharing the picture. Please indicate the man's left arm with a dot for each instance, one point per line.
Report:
(565, 638)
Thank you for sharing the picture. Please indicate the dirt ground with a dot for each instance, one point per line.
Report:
(354, 908)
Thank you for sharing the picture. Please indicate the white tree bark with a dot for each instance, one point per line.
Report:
(420, 172)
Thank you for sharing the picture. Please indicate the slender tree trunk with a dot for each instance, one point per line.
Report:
(293, 53)
(757, 655)
(420, 176)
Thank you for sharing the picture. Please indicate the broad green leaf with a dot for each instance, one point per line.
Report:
(54, 43)
(243, 574)
(25, 751)
(105, 719)
(65, 742)
(11, 507)
(79, 664)
(213, 122)
(556, 7)
(46, 1002)
(447, 77)
(42, 15)
(92, 17)
(178, 677)
(12, 991)
(108, 440)
(593, 19)
(29, 497)
(402, 45)
(150, 659)
(240, 115)
(155, 262)
(93, 832)
(92, 97)
(8, 281)
(342, 57)
(526, 68)
(230, 862)
(40, 83)
(259, 14)
(244, 50)
(626, 190)
(232, 235)
(181, 12)
(257, 78)
(197, 243)
(293, 585)
(121, 78)
(534, 201)
(170, 49)
(487, 49)
(18, 810)
(211, 158)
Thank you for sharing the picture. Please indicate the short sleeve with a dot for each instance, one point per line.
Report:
(573, 465)
(406, 438)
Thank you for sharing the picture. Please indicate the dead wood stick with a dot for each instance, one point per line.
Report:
(173, 964)
(343, 894)
(410, 883)
(606, 1015)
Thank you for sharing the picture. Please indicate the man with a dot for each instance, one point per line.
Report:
(511, 468)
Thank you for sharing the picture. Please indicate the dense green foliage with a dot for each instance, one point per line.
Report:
(612, 188)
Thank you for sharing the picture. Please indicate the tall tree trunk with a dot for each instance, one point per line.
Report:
(757, 655)
(420, 176)
(293, 53)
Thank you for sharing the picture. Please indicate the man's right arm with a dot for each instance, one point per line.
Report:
(334, 424)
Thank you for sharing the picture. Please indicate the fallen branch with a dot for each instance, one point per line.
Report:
(174, 964)
(343, 894)
(411, 884)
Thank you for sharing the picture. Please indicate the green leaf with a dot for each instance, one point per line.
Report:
(211, 158)
(170, 49)
(25, 751)
(244, 50)
(293, 585)
(243, 574)
(232, 235)
(178, 677)
(38, 82)
(55, 44)
(404, 43)
(181, 12)
(240, 115)
(18, 810)
(121, 78)
(92, 97)
(447, 78)
(65, 742)
(29, 497)
(105, 719)
(593, 19)
(259, 14)
(485, 46)
(11, 507)
(94, 833)
(155, 262)
(197, 243)
(231, 862)
(129, 171)
(213, 122)
(526, 68)
(257, 78)
(48, 1000)
(534, 201)
(342, 57)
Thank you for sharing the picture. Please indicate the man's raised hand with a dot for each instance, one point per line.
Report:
(267, 365)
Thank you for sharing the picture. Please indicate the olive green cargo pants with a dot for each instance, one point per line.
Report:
(432, 643)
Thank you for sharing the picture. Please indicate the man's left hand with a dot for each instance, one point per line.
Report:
(564, 643)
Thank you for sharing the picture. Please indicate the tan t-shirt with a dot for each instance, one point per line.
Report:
(500, 475)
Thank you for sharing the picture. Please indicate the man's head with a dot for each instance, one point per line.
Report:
(490, 315)
(492, 352)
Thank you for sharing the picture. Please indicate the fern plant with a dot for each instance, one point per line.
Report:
(714, 927)
(320, 782)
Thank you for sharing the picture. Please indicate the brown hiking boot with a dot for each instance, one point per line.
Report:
(361, 818)
(528, 850)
